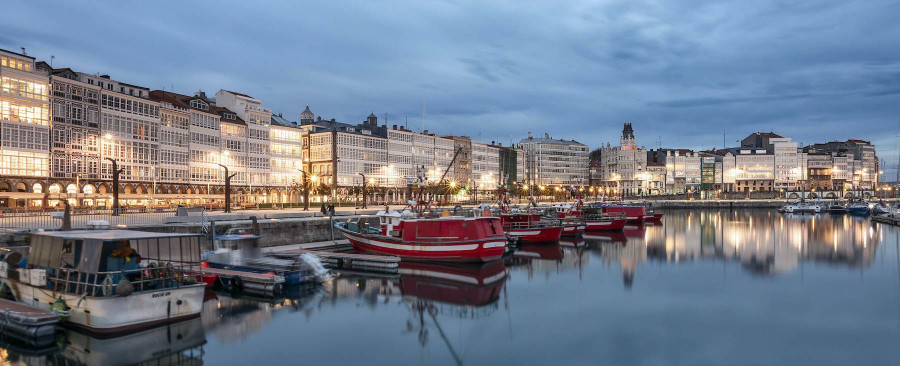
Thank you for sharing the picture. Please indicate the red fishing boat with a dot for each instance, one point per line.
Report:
(411, 237)
(634, 214)
(529, 228)
(605, 223)
(653, 217)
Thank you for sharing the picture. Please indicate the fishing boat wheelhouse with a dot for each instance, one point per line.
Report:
(529, 228)
(108, 281)
(409, 236)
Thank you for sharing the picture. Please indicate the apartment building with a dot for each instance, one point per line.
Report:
(555, 161)
(24, 123)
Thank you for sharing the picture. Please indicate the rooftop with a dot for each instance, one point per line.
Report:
(110, 234)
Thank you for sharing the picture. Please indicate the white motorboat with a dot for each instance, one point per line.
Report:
(108, 281)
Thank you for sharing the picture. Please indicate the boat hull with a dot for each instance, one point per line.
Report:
(574, 230)
(606, 225)
(118, 314)
(482, 250)
(537, 235)
(653, 218)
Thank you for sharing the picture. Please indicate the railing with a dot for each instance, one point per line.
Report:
(155, 276)
(29, 219)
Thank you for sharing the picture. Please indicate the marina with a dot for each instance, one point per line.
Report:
(740, 271)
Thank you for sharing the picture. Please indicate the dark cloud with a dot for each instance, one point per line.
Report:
(680, 71)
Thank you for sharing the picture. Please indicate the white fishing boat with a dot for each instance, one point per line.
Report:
(108, 281)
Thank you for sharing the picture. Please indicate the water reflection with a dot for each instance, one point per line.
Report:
(765, 242)
(535, 299)
(175, 344)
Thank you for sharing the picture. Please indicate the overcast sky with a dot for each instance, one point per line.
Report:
(683, 72)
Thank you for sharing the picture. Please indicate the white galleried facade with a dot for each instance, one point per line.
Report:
(286, 150)
(555, 162)
(256, 127)
(24, 122)
(485, 165)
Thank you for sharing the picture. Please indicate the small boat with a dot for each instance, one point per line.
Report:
(27, 323)
(238, 250)
(597, 219)
(108, 281)
(801, 207)
(410, 237)
(529, 228)
(837, 208)
(858, 208)
(880, 209)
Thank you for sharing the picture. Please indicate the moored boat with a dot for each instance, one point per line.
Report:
(634, 214)
(108, 281)
(529, 228)
(858, 208)
(238, 250)
(450, 238)
(837, 208)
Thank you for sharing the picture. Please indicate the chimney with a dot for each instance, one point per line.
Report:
(546, 135)
(393, 127)
(425, 132)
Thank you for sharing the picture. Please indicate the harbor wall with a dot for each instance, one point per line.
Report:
(275, 232)
(700, 205)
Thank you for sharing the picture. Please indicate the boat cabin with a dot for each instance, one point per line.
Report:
(95, 261)
(451, 228)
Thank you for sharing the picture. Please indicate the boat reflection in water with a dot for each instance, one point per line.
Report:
(763, 242)
(174, 344)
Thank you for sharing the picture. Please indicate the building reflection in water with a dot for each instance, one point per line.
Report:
(763, 242)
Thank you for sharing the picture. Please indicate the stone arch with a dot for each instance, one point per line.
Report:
(54, 188)
(814, 195)
(139, 189)
(867, 194)
(88, 189)
(103, 188)
(37, 187)
(128, 189)
(793, 195)
(71, 188)
(830, 195)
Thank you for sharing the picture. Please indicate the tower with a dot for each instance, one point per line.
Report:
(372, 119)
(307, 116)
(628, 137)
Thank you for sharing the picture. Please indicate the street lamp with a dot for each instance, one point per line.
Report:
(305, 190)
(363, 190)
(227, 186)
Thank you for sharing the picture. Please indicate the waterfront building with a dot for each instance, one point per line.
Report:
(624, 166)
(129, 125)
(512, 165)
(340, 153)
(683, 171)
(174, 142)
(75, 127)
(286, 152)
(24, 127)
(485, 166)
(401, 167)
(462, 167)
(554, 162)
(248, 134)
(861, 170)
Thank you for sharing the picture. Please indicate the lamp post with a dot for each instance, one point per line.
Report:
(363, 190)
(115, 181)
(227, 188)
(305, 190)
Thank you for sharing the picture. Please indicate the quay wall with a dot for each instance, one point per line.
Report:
(274, 232)
(700, 205)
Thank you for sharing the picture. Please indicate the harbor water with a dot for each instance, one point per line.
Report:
(708, 287)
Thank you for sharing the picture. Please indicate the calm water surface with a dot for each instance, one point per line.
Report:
(705, 287)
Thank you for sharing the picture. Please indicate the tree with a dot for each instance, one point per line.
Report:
(595, 155)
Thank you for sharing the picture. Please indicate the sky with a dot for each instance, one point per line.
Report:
(686, 74)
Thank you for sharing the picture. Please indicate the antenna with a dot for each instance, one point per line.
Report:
(51, 60)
